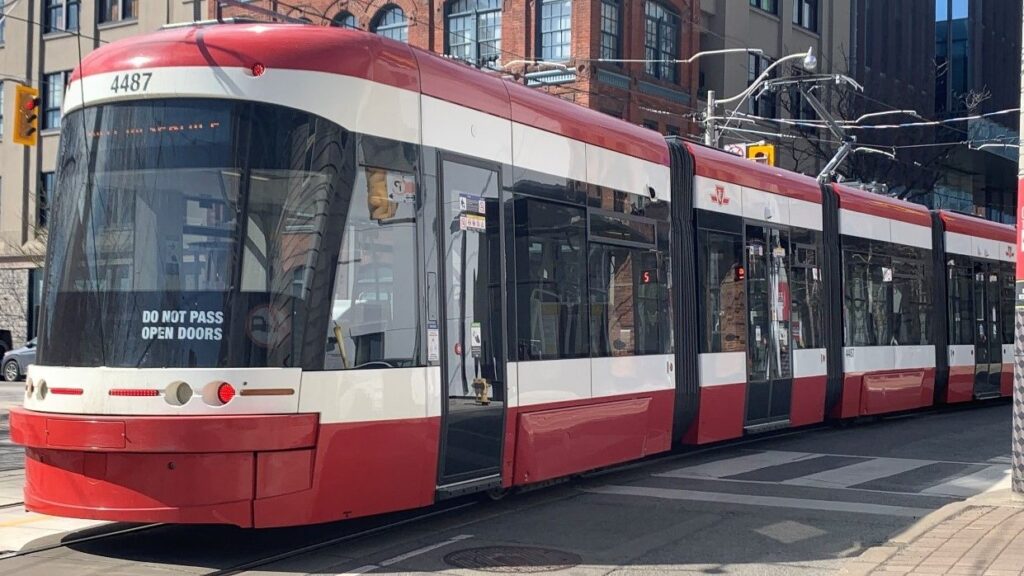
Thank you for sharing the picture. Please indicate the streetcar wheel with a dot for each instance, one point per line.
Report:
(496, 494)
(11, 371)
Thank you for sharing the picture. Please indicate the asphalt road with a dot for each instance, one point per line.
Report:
(798, 504)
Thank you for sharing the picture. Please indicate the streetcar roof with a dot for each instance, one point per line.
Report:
(368, 56)
(726, 167)
(979, 227)
(874, 204)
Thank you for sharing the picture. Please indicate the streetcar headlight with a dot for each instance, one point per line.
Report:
(178, 393)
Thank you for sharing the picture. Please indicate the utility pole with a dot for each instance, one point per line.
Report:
(1018, 331)
(710, 138)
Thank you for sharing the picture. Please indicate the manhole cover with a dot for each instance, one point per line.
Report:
(515, 559)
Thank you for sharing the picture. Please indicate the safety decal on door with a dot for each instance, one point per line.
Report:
(476, 341)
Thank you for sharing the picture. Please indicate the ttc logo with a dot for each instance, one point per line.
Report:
(719, 197)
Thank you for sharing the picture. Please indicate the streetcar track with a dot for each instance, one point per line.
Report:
(239, 568)
(81, 540)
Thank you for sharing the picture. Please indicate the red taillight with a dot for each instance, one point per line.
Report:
(225, 392)
(133, 392)
(258, 70)
(66, 391)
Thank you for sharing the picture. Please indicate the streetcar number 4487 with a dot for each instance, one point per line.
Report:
(135, 82)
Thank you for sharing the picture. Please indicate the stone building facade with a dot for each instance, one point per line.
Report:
(779, 28)
(40, 44)
(553, 44)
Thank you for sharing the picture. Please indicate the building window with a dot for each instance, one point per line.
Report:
(799, 107)
(474, 31)
(766, 5)
(1, 104)
(611, 23)
(661, 40)
(53, 99)
(671, 130)
(53, 16)
(805, 14)
(73, 8)
(765, 104)
(555, 29)
(344, 20)
(391, 23)
(42, 194)
(117, 10)
(3, 23)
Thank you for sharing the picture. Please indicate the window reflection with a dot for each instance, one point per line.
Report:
(806, 282)
(551, 281)
(724, 294)
(375, 313)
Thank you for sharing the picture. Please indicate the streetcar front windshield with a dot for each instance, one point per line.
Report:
(188, 233)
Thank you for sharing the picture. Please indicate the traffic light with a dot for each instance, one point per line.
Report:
(377, 199)
(26, 115)
(762, 154)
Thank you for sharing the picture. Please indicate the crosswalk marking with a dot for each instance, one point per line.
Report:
(972, 484)
(738, 465)
(770, 501)
(936, 478)
(859, 473)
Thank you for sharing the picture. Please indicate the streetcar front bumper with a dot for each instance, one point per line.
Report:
(175, 469)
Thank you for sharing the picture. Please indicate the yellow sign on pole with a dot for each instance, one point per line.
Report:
(762, 154)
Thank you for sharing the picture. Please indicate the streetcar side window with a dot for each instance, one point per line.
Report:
(723, 323)
(375, 312)
(808, 308)
(551, 280)
(911, 296)
(628, 302)
(867, 298)
(629, 298)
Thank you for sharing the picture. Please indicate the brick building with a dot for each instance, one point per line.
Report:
(554, 44)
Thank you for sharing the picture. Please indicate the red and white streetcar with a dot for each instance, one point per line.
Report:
(299, 274)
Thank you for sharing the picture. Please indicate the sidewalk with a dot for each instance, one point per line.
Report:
(983, 536)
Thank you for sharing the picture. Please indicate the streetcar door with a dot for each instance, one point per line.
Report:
(472, 332)
(988, 339)
(769, 365)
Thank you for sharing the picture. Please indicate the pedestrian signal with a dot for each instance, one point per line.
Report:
(26, 115)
